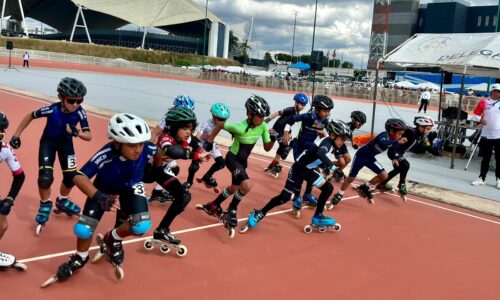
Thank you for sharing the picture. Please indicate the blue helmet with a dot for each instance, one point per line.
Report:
(184, 101)
(301, 98)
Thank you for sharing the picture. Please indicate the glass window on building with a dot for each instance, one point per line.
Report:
(420, 22)
(487, 21)
(479, 21)
(494, 21)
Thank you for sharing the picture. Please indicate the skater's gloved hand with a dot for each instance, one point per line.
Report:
(208, 146)
(107, 202)
(355, 146)
(267, 120)
(337, 173)
(5, 206)
(273, 134)
(73, 130)
(15, 142)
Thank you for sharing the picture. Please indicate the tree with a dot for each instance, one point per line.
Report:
(283, 57)
(233, 42)
(347, 65)
(268, 58)
(245, 46)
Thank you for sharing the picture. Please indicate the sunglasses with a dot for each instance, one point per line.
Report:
(220, 119)
(73, 101)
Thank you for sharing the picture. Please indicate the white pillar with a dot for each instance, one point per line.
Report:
(144, 37)
(78, 12)
(24, 20)
(226, 42)
(3, 12)
(212, 39)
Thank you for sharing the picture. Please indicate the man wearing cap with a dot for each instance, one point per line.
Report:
(489, 110)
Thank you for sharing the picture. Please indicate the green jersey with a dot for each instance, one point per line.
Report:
(243, 140)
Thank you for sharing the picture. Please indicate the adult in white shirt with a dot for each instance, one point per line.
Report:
(489, 110)
(425, 97)
(26, 60)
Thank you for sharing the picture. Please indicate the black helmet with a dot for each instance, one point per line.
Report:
(359, 116)
(258, 106)
(395, 124)
(338, 128)
(322, 102)
(179, 114)
(72, 88)
(4, 122)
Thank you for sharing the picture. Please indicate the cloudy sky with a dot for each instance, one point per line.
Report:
(341, 24)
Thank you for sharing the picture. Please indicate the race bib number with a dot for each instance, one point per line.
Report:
(72, 161)
(139, 189)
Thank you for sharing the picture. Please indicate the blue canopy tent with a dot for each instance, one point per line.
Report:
(300, 65)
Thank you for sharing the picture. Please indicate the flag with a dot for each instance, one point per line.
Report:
(334, 54)
(328, 54)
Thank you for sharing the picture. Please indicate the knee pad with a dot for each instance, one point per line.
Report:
(68, 178)
(45, 178)
(285, 196)
(140, 223)
(327, 188)
(220, 162)
(194, 167)
(85, 227)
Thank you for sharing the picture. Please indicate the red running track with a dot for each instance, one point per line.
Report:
(390, 250)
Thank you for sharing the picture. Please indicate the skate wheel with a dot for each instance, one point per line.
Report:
(231, 232)
(19, 266)
(199, 206)
(308, 229)
(182, 250)
(199, 180)
(164, 248)
(38, 229)
(404, 198)
(149, 245)
(296, 213)
(52, 279)
(329, 206)
(119, 273)
(244, 228)
(371, 201)
(97, 257)
(337, 227)
(322, 229)
(216, 190)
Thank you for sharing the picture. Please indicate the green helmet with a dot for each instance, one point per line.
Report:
(220, 110)
(180, 114)
(338, 128)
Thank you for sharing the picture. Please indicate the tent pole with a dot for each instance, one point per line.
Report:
(456, 131)
(374, 100)
(440, 95)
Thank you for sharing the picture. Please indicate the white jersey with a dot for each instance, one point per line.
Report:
(492, 116)
(206, 130)
(7, 154)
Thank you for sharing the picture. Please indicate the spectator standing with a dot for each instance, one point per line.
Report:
(26, 60)
(425, 97)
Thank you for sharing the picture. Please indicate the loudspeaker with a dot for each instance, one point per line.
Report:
(448, 78)
(497, 80)
(9, 45)
(317, 60)
(451, 113)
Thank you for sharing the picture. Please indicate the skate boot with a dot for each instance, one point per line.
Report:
(364, 191)
(42, 216)
(274, 169)
(322, 223)
(385, 188)
(230, 220)
(167, 241)
(402, 191)
(310, 200)
(9, 261)
(64, 205)
(113, 250)
(209, 182)
(161, 196)
(187, 185)
(211, 209)
(335, 200)
(253, 219)
(67, 269)
(297, 205)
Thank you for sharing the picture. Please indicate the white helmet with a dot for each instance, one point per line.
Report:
(423, 121)
(128, 129)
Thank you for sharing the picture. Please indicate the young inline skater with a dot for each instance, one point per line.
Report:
(57, 137)
(158, 194)
(220, 113)
(306, 168)
(365, 157)
(245, 136)
(7, 154)
(301, 101)
(415, 137)
(358, 118)
(118, 168)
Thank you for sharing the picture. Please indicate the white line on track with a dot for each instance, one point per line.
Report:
(49, 256)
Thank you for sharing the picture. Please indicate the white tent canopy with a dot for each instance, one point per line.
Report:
(405, 84)
(463, 53)
(428, 85)
(481, 87)
(151, 13)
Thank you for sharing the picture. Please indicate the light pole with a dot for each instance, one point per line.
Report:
(204, 36)
(294, 26)
(312, 49)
